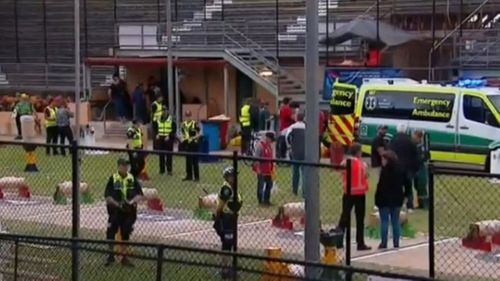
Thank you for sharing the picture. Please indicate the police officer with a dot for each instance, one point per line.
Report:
(165, 140)
(123, 193)
(246, 128)
(226, 217)
(136, 156)
(157, 108)
(51, 128)
(190, 135)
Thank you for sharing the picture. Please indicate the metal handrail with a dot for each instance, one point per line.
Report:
(103, 116)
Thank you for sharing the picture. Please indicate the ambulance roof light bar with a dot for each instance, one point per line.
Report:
(389, 81)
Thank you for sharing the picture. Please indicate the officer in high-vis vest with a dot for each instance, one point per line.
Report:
(22, 108)
(52, 131)
(165, 140)
(136, 155)
(226, 216)
(190, 143)
(356, 195)
(246, 127)
(157, 108)
(123, 193)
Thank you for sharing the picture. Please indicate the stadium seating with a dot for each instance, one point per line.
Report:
(45, 32)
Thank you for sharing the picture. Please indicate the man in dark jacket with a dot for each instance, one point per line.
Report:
(407, 153)
(295, 136)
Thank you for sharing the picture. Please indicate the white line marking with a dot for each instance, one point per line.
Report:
(403, 249)
(58, 212)
(182, 234)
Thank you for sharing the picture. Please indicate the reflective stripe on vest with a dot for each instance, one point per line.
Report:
(124, 184)
(188, 127)
(51, 120)
(158, 111)
(136, 139)
(245, 116)
(165, 127)
(359, 182)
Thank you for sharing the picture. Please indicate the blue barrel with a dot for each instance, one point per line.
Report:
(204, 149)
(211, 132)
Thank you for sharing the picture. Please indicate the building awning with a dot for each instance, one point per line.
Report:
(156, 61)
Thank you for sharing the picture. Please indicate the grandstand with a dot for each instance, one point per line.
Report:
(254, 37)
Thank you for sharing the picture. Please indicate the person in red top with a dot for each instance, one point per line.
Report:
(286, 115)
(355, 197)
(264, 169)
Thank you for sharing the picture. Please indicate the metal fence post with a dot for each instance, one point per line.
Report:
(432, 272)
(75, 204)
(159, 263)
(16, 258)
(235, 199)
(348, 228)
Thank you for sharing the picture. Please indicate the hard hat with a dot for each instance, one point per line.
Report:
(228, 171)
(24, 95)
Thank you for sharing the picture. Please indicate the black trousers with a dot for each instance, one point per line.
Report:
(65, 133)
(246, 135)
(154, 127)
(359, 204)
(51, 138)
(192, 163)
(137, 161)
(120, 220)
(224, 226)
(18, 125)
(165, 158)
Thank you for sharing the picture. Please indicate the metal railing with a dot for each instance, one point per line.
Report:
(25, 259)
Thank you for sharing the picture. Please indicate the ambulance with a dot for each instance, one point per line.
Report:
(462, 123)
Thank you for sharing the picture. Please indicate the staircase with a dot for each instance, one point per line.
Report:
(3, 78)
(259, 64)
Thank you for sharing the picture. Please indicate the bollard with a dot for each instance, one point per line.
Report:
(331, 241)
(276, 270)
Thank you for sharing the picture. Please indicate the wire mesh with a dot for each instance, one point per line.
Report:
(466, 226)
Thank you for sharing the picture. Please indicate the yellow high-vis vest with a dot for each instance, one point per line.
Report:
(245, 116)
(165, 127)
(51, 120)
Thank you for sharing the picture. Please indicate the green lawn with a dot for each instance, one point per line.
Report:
(459, 200)
(175, 193)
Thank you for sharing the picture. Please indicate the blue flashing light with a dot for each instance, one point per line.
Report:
(471, 83)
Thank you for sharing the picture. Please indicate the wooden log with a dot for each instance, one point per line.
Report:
(294, 210)
(208, 201)
(484, 229)
(67, 187)
(150, 193)
(11, 183)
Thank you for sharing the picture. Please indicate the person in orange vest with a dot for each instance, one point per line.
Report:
(356, 196)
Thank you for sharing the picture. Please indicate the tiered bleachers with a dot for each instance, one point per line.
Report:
(31, 31)
(60, 30)
(7, 31)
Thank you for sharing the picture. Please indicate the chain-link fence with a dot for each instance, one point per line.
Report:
(466, 225)
(42, 258)
(175, 211)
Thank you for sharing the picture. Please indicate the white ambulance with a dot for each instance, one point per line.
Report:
(463, 124)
